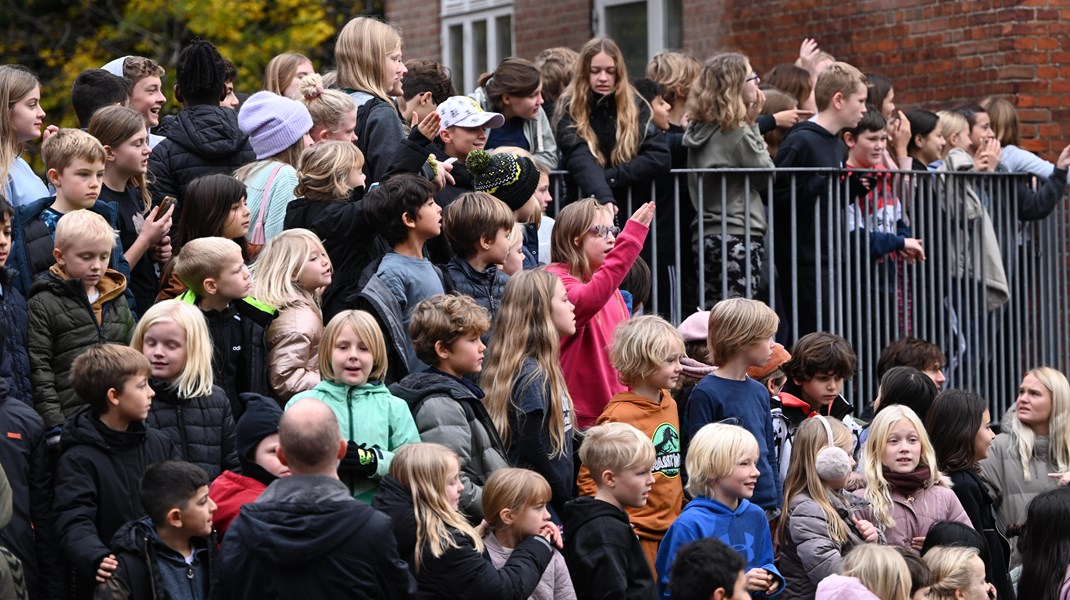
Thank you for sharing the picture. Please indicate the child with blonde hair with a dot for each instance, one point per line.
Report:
(290, 274)
(352, 363)
(957, 573)
(20, 91)
(905, 489)
(722, 469)
(870, 572)
(334, 114)
(514, 261)
(447, 554)
(821, 522)
(188, 407)
(330, 181)
(284, 73)
(514, 507)
(646, 353)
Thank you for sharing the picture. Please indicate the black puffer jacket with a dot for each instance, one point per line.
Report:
(97, 486)
(348, 236)
(613, 183)
(149, 569)
(202, 428)
(15, 358)
(203, 140)
(485, 288)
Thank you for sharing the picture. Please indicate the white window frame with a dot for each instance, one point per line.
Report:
(656, 22)
(466, 13)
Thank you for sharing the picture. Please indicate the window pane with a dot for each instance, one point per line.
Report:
(457, 53)
(674, 24)
(504, 26)
(626, 24)
(479, 47)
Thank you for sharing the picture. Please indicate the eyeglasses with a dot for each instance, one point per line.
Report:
(753, 77)
(604, 231)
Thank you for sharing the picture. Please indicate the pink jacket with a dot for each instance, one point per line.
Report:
(839, 587)
(600, 307)
(913, 518)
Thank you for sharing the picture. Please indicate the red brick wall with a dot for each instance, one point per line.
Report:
(419, 24)
(937, 53)
(541, 25)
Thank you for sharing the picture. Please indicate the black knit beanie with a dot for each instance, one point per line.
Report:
(260, 419)
(508, 177)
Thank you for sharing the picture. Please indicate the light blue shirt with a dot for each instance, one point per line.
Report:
(23, 185)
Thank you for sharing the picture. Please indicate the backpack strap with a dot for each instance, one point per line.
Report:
(258, 229)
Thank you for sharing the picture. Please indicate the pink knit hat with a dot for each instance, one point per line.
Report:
(696, 327)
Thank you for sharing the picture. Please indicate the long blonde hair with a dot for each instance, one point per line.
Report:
(423, 469)
(878, 490)
(360, 55)
(323, 170)
(717, 95)
(513, 489)
(881, 569)
(279, 265)
(525, 330)
(114, 125)
(1058, 424)
(16, 82)
(810, 439)
(281, 70)
(572, 223)
(196, 378)
(576, 98)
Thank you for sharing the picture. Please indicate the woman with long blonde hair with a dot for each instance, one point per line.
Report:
(526, 394)
(20, 122)
(604, 131)
(370, 70)
(420, 495)
(1032, 454)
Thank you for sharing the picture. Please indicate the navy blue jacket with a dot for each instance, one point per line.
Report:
(14, 357)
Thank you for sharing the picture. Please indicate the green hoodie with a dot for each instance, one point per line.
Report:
(369, 415)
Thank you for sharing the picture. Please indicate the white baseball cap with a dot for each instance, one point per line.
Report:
(462, 111)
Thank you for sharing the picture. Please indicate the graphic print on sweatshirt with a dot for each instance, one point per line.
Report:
(666, 440)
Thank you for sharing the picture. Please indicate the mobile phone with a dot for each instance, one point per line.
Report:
(168, 202)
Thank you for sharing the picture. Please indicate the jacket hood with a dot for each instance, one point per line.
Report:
(418, 386)
(259, 311)
(332, 391)
(812, 128)
(85, 428)
(208, 131)
(839, 587)
(581, 510)
(300, 519)
(639, 402)
(131, 538)
(698, 134)
(715, 507)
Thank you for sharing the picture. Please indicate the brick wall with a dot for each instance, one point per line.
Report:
(541, 25)
(419, 23)
(937, 53)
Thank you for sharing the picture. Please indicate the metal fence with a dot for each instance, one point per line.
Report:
(990, 292)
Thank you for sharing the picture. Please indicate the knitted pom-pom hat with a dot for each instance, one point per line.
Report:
(273, 122)
(508, 177)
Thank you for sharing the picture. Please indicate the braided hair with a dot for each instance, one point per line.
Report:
(201, 74)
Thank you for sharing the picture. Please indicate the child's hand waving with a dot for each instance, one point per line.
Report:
(644, 214)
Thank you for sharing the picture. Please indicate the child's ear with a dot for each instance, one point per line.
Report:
(174, 518)
(506, 516)
(609, 479)
(837, 100)
(109, 156)
(53, 177)
(58, 254)
(446, 135)
(441, 350)
(210, 286)
(178, 95)
(485, 242)
(408, 220)
(342, 448)
(424, 99)
(849, 139)
(719, 594)
(113, 396)
(507, 99)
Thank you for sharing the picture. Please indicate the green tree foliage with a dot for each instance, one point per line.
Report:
(58, 39)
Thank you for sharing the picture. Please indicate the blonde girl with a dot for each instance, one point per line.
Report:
(592, 261)
(290, 274)
(905, 489)
(330, 180)
(420, 495)
(125, 137)
(821, 522)
(334, 114)
(370, 70)
(194, 412)
(957, 574)
(352, 364)
(514, 262)
(525, 389)
(20, 122)
(514, 508)
(955, 130)
(723, 134)
(601, 104)
(284, 73)
(880, 570)
(1032, 454)
(278, 130)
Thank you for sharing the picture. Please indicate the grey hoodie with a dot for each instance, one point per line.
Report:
(711, 147)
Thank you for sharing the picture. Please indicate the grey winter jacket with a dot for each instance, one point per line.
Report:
(711, 147)
(448, 412)
(807, 552)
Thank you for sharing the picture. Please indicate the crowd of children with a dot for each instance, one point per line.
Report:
(226, 341)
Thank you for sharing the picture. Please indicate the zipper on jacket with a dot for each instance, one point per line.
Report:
(182, 435)
(349, 407)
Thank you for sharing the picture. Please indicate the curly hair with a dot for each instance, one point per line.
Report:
(717, 96)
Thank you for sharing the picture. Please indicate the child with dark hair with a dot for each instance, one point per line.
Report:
(14, 356)
(708, 569)
(1045, 547)
(514, 89)
(205, 137)
(956, 535)
(170, 551)
(927, 142)
(906, 386)
(105, 450)
(230, 99)
(427, 84)
(94, 89)
(913, 352)
(920, 575)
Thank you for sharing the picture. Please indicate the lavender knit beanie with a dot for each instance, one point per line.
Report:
(273, 123)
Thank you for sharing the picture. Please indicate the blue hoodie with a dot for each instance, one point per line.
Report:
(745, 530)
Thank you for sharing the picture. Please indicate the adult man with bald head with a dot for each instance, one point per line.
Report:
(306, 536)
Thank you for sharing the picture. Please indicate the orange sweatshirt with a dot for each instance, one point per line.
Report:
(660, 421)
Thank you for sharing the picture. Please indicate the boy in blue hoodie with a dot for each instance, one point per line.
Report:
(171, 550)
(722, 466)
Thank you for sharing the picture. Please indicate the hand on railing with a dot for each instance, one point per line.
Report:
(987, 156)
(912, 251)
(644, 214)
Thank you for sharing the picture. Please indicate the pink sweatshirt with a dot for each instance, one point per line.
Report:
(600, 307)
